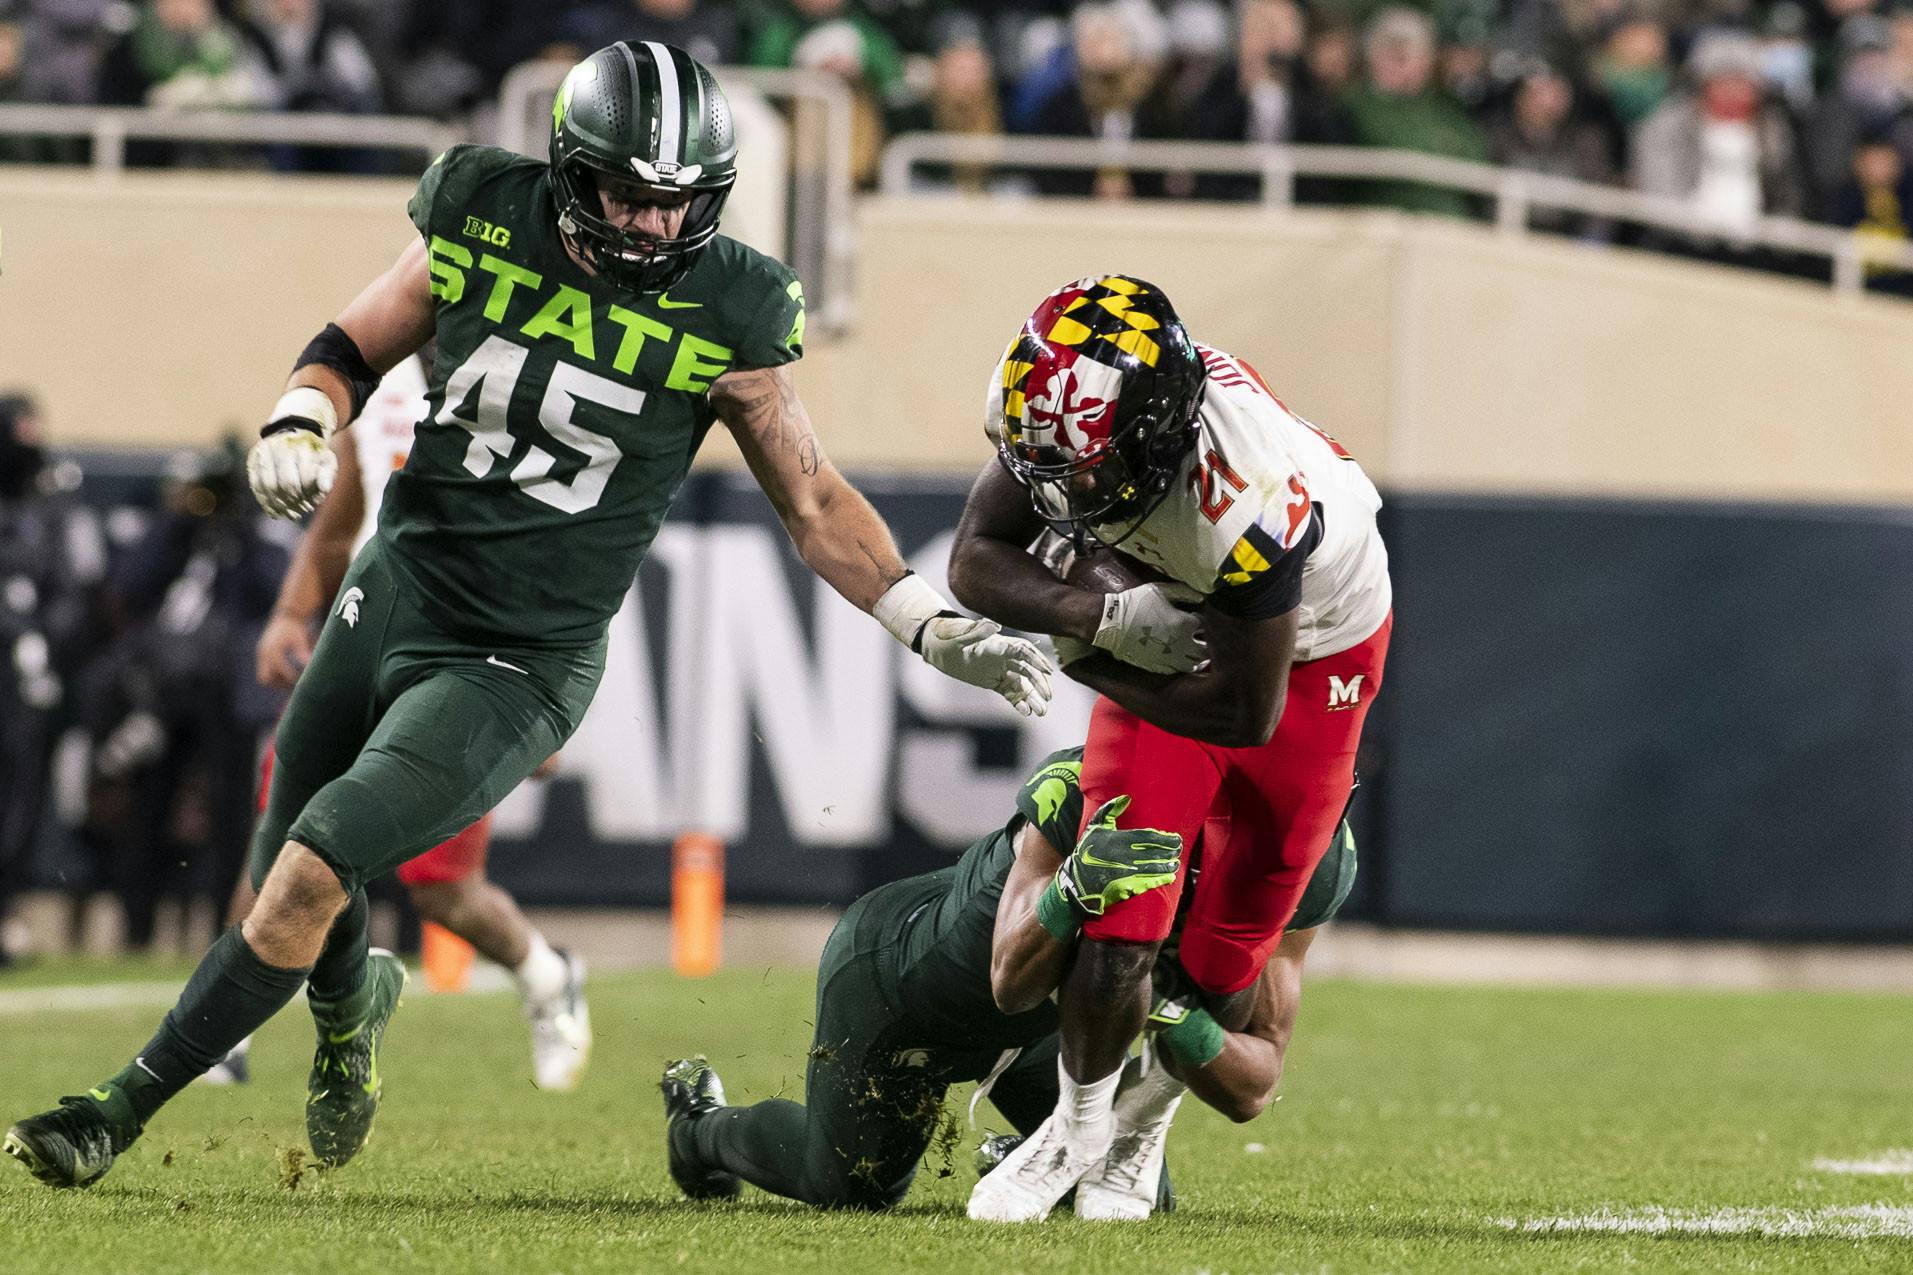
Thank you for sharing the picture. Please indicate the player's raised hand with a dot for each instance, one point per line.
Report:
(1110, 864)
(291, 467)
(1146, 627)
(291, 471)
(978, 652)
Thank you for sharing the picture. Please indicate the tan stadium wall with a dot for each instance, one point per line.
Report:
(1448, 357)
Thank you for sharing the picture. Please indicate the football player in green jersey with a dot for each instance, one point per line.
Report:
(946, 977)
(592, 326)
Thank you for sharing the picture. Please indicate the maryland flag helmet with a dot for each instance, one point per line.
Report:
(648, 115)
(1094, 406)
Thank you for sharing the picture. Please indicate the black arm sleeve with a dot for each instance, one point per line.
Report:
(334, 349)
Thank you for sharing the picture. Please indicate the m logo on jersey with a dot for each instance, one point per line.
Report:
(349, 607)
(1070, 405)
(1344, 695)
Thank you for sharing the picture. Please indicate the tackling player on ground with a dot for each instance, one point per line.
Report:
(592, 326)
(946, 977)
(1111, 423)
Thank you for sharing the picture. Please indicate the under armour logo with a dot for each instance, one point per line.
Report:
(349, 607)
(1344, 695)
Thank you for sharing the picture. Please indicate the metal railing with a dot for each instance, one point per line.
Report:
(1514, 193)
(109, 128)
(822, 224)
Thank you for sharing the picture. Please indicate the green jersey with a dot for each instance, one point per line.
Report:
(562, 412)
(944, 955)
(949, 919)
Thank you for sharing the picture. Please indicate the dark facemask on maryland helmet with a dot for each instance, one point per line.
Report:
(1095, 405)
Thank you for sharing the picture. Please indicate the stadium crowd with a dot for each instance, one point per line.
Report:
(1740, 107)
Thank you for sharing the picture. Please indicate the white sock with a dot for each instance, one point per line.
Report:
(1152, 1094)
(243, 1048)
(541, 975)
(1085, 1111)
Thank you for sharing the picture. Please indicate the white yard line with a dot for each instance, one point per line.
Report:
(19, 1001)
(1895, 1163)
(1859, 1222)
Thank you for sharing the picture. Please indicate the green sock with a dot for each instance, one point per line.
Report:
(229, 997)
(339, 973)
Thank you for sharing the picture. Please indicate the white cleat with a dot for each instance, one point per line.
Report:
(561, 1032)
(1122, 1186)
(1032, 1178)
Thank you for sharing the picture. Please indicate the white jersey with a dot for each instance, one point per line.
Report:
(383, 436)
(1261, 483)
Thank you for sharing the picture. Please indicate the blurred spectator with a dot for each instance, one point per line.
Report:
(1869, 100)
(963, 100)
(1722, 146)
(1117, 49)
(1786, 55)
(173, 711)
(60, 46)
(1877, 202)
(708, 32)
(1398, 107)
(1633, 71)
(52, 557)
(1541, 131)
(183, 55)
(317, 62)
(455, 54)
(832, 37)
(1465, 51)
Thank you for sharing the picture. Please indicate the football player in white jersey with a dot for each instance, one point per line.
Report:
(447, 883)
(1113, 426)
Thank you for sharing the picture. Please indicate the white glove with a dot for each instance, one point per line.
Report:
(1144, 627)
(1068, 650)
(972, 651)
(292, 469)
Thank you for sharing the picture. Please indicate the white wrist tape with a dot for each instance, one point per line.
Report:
(907, 606)
(310, 404)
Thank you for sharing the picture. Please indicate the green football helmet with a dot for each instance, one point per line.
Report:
(649, 115)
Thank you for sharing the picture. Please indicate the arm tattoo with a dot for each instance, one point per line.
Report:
(770, 411)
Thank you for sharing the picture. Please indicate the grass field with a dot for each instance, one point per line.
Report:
(1421, 1129)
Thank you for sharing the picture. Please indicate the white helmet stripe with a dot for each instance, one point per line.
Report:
(670, 105)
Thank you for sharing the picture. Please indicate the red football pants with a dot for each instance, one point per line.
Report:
(1281, 801)
(457, 859)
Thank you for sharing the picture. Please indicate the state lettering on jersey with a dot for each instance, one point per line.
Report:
(516, 298)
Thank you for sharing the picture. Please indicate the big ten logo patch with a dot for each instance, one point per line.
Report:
(480, 229)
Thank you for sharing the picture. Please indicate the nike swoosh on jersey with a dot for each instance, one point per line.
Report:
(493, 659)
(665, 303)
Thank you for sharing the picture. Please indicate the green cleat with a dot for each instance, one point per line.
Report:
(342, 1095)
(692, 1091)
(74, 1144)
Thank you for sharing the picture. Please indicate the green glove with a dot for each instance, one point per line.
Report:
(1111, 864)
(1183, 1029)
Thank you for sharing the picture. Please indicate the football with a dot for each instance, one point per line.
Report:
(1108, 571)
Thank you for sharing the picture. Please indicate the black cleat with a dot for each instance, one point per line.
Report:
(692, 1091)
(72, 1145)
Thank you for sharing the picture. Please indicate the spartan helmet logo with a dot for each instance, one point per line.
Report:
(349, 607)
